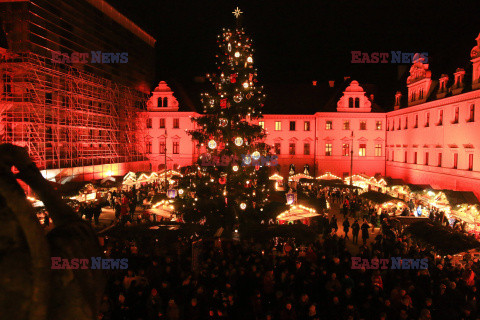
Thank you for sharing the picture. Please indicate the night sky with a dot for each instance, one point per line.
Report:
(301, 41)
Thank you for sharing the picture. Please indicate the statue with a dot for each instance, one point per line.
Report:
(29, 287)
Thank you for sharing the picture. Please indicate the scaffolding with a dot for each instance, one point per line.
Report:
(66, 117)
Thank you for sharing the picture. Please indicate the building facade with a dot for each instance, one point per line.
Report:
(433, 139)
(77, 117)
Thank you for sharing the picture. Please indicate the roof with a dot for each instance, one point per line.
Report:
(419, 187)
(461, 197)
(379, 197)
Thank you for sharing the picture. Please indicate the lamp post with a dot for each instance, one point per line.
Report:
(165, 151)
(351, 163)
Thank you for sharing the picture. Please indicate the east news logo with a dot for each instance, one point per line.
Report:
(93, 263)
(396, 263)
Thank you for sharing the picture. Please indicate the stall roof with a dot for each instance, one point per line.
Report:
(461, 197)
(379, 197)
(394, 182)
(419, 187)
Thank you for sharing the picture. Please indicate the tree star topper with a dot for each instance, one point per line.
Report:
(237, 12)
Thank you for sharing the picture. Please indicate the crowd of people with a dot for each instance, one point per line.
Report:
(286, 279)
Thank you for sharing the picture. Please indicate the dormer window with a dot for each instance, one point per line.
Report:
(357, 102)
(159, 102)
(420, 96)
(165, 102)
(350, 102)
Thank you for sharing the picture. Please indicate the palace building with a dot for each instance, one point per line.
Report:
(430, 139)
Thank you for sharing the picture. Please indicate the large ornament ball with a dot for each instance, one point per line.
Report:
(238, 141)
(256, 155)
(212, 144)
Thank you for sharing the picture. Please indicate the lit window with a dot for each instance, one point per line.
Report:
(378, 150)
(278, 125)
(328, 149)
(345, 149)
(470, 162)
(292, 125)
(162, 147)
(378, 125)
(363, 125)
(149, 123)
(261, 124)
(346, 125)
(306, 126)
(277, 148)
(291, 149)
(176, 147)
(176, 123)
(362, 150)
(328, 125)
(306, 148)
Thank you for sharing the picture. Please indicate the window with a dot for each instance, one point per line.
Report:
(426, 158)
(159, 102)
(455, 119)
(165, 102)
(357, 102)
(162, 147)
(306, 149)
(378, 150)
(328, 125)
(176, 123)
(455, 160)
(149, 146)
(292, 125)
(440, 118)
(415, 157)
(412, 97)
(378, 125)
(162, 123)
(420, 96)
(350, 102)
(346, 125)
(388, 126)
(261, 124)
(416, 121)
(439, 163)
(306, 126)
(328, 149)
(470, 162)
(278, 125)
(393, 125)
(176, 147)
(277, 148)
(362, 150)
(427, 120)
(7, 83)
(363, 125)
(291, 149)
(472, 113)
(49, 97)
(405, 158)
(406, 122)
(399, 124)
(345, 149)
(393, 155)
(149, 123)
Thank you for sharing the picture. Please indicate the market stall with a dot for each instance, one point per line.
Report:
(298, 212)
(367, 183)
(278, 181)
(328, 176)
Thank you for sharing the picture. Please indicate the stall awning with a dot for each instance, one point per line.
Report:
(379, 197)
(297, 213)
(276, 177)
(299, 176)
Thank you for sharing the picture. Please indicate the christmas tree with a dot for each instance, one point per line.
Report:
(231, 175)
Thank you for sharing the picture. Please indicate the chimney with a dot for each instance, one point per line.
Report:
(314, 82)
(372, 97)
(331, 83)
(398, 97)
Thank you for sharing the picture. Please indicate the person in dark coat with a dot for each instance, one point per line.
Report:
(333, 224)
(346, 228)
(355, 231)
(365, 235)
(97, 210)
(118, 210)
